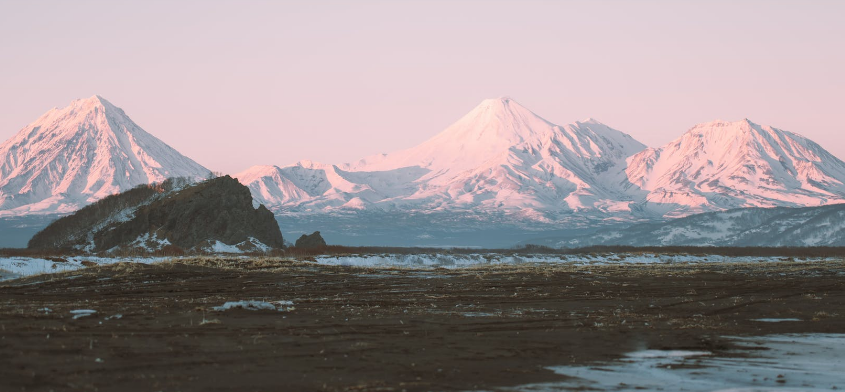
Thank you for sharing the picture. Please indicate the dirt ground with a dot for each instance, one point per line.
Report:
(354, 329)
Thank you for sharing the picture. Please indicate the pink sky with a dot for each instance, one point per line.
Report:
(234, 84)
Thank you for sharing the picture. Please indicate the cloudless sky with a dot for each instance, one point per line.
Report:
(235, 84)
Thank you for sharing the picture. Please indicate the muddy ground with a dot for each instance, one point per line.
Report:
(356, 329)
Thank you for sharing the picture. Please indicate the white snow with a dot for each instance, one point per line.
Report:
(73, 156)
(503, 158)
(250, 245)
(15, 267)
(793, 362)
(146, 242)
(219, 247)
(722, 165)
(25, 266)
(451, 261)
(498, 157)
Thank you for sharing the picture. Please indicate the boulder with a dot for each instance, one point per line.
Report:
(313, 240)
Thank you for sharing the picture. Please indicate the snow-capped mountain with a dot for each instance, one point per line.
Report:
(723, 165)
(501, 168)
(73, 156)
(500, 157)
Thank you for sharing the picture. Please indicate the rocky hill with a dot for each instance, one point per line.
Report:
(215, 215)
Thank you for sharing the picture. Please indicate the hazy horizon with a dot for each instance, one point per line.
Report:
(334, 82)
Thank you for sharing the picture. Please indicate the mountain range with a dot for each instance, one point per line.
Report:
(499, 167)
(501, 158)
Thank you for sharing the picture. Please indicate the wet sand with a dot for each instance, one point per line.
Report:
(357, 329)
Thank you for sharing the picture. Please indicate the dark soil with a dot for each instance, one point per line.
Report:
(356, 329)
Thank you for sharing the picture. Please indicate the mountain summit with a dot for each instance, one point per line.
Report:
(499, 158)
(72, 156)
(496, 129)
(721, 165)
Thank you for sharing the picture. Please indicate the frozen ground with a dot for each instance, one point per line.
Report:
(776, 363)
(15, 267)
(482, 259)
(490, 328)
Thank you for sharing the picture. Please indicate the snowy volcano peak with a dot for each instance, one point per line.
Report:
(721, 165)
(496, 128)
(498, 158)
(749, 141)
(75, 155)
(499, 121)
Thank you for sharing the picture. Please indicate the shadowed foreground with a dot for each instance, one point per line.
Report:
(384, 330)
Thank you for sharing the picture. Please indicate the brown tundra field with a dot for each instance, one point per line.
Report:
(314, 327)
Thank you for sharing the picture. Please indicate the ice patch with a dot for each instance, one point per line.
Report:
(775, 320)
(792, 362)
(255, 305)
(666, 354)
(79, 313)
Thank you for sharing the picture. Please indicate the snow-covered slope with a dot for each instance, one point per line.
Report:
(782, 226)
(73, 156)
(722, 165)
(499, 158)
(503, 160)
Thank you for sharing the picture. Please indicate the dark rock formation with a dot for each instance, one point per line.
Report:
(313, 240)
(219, 209)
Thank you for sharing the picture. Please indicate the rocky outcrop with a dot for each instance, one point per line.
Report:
(214, 211)
(313, 240)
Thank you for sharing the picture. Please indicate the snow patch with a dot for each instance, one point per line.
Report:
(252, 244)
(452, 261)
(16, 267)
(79, 313)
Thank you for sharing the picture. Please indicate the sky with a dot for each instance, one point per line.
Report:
(236, 84)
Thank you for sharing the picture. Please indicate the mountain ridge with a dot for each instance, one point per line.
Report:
(498, 156)
(500, 163)
(501, 156)
(722, 165)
